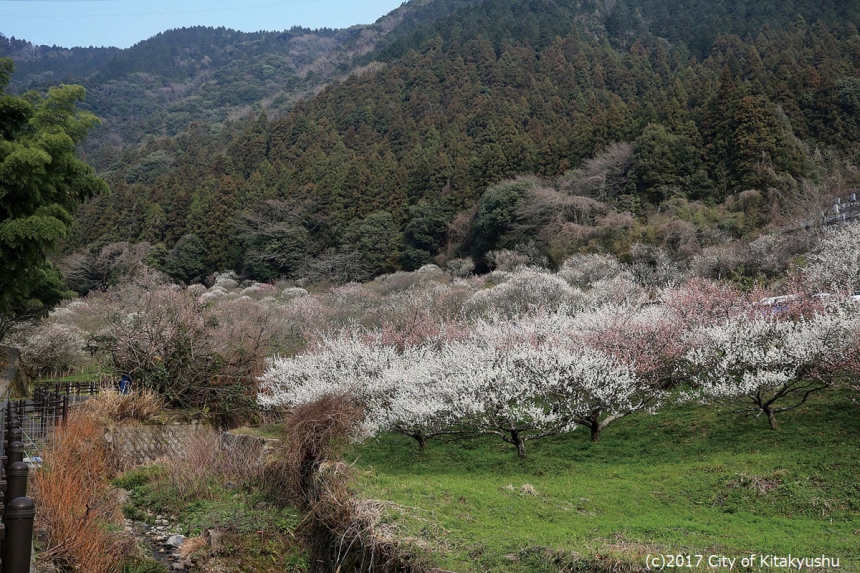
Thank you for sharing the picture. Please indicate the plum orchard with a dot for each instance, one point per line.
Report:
(472, 386)
(549, 371)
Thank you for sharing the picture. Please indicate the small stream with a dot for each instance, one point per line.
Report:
(162, 540)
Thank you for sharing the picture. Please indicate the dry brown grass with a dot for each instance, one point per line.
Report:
(209, 460)
(112, 406)
(74, 503)
(345, 532)
(313, 434)
(191, 546)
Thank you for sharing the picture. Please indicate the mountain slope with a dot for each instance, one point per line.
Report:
(400, 164)
(161, 85)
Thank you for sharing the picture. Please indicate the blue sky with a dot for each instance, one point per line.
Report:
(122, 23)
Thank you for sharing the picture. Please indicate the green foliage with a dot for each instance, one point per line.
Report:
(496, 215)
(144, 565)
(664, 162)
(683, 481)
(427, 226)
(378, 240)
(413, 259)
(136, 478)
(253, 536)
(186, 262)
(467, 94)
(849, 100)
(41, 184)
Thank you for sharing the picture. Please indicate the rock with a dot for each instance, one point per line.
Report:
(177, 567)
(122, 495)
(260, 506)
(215, 539)
(175, 541)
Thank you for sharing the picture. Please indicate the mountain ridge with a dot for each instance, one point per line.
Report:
(554, 126)
(161, 85)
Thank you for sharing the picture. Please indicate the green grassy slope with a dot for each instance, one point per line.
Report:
(690, 480)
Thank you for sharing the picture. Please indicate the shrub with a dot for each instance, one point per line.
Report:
(834, 265)
(208, 461)
(507, 260)
(653, 267)
(112, 406)
(100, 269)
(75, 504)
(526, 290)
(583, 270)
(767, 364)
(194, 353)
(313, 434)
(460, 267)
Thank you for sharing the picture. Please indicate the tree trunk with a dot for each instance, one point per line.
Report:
(519, 443)
(771, 419)
(421, 439)
(595, 431)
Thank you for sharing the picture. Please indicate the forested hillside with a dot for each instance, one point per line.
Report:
(632, 132)
(160, 86)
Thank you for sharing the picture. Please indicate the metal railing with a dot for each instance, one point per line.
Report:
(37, 416)
(845, 210)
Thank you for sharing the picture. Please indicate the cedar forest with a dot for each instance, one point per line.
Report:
(677, 126)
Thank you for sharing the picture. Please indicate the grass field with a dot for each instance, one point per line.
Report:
(691, 480)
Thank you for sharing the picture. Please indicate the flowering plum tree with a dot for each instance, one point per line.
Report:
(650, 340)
(834, 265)
(525, 291)
(493, 393)
(590, 365)
(586, 386)
(400, 391)
(766, 365)
(417, 397)
(459, 386)
(338, 365)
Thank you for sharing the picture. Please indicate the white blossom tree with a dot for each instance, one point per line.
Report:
(767, 365)
(519, 380)
(584, 385)
(834, 265)
(338, 365)
(492, 393)
(415, 397)
(401, 390)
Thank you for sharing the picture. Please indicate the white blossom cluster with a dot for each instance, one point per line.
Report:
(510, 384)
(834, 265)
(525, 291)
(771, 363)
